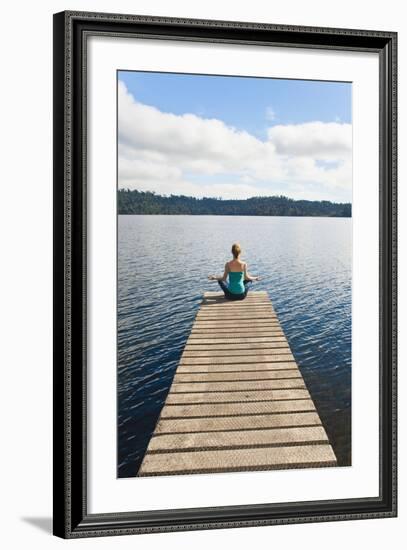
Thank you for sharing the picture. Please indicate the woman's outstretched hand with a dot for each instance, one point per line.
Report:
(212, 277)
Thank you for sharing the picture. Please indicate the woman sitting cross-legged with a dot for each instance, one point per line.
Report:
(239, 279)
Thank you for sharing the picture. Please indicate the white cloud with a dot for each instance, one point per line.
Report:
(319, 140)
(188, 154)
(270, 114)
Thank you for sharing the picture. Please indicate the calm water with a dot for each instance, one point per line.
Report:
(305, 265)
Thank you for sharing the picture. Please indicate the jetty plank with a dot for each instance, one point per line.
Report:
(189, 351)
(236, 367)
(238, 439)
(192, 347)
(234, 422)
(238, 333)
(235, 385)
(237, 397)
(236, 376)
(282, 355)
(264, 458)
(236, 409)
(238, 400)
(235, 340)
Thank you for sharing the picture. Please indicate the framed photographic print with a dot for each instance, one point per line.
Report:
(224, 274)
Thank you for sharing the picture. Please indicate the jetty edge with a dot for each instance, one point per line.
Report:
(238, 401)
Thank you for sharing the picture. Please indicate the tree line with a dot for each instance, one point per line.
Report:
(148, 202)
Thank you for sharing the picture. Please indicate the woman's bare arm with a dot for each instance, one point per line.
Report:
(225, 273)
(248, 277)
(220, 277)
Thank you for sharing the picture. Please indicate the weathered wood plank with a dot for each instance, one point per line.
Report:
(241, 330)
(232, 316)
(237, 314)
(238, 324)
(280, 355)
(237, 386)
(225, 345)
(238, 367)
(249, 307)
(238, 333)
(301, 456)
(236, 396)
(245, 422)
(237, 440)
(237, 305)
(217, 300)
(209, 340)
(242, 352)
(192, 347)
(235, 321)
(216, 304)
(219, 294)
(242, 326)
(238, 409)
(182, 377)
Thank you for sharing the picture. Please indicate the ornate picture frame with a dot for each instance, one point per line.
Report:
(72, 31)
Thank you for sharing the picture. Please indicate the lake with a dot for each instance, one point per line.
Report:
(163, 264)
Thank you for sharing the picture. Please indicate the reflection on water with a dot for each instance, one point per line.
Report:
(163, 263)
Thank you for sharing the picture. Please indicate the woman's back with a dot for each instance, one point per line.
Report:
(236, 265)
(236, 276)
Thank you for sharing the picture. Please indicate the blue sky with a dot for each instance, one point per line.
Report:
(226, 98)
(298, 132)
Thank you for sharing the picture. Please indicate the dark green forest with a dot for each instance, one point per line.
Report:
(146, 202)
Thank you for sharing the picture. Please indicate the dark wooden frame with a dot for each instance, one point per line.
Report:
(71, 518)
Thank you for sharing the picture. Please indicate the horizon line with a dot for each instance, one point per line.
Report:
(127, 189)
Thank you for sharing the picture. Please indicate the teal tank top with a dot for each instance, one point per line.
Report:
(236, 282)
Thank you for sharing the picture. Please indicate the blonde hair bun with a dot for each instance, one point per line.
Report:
(236, 249)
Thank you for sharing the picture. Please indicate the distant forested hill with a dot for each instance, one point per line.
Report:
(146, 202)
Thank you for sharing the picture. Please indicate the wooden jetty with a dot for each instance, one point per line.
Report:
(238, 401)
